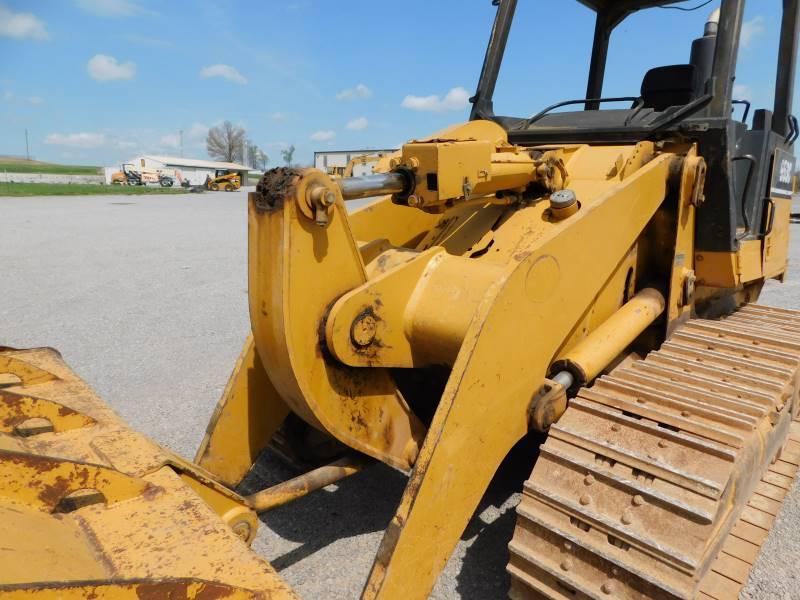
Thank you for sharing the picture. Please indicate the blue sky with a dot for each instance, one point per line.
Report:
(99, 81)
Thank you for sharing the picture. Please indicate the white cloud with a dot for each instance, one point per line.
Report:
(171, 140)
(21, 26)
(225, 71)
(197, 131)
(10, 96)
(112, 8)
(360, 91)
(359, 123)
(742, 92)
(323, 135)
(456, 99)
(278, 116)
(750, 30)
(76, 140)
(106, 68)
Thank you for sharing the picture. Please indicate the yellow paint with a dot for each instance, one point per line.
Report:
(511, 340)
(296, 270)
(717, 269)
(247, 415)
(611, 338)
(749, 253)
(400, 225)
(149, 523)
(730, 269)
(16, 408)
(680, 300)
(776, 244)
(27, 373)
(228, 506)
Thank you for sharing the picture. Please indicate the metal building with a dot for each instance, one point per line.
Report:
(195, 170)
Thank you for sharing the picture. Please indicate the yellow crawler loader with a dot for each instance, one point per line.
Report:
(589, 274)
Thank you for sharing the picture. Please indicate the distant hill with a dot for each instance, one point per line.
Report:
(15, 164)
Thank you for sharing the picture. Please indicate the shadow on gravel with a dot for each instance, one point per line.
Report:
(483, 569)
(361, 503)
(365, 503)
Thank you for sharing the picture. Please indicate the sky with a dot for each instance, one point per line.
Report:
(101, 81)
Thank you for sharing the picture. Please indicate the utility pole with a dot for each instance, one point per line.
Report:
(180, 135)
(27, 149)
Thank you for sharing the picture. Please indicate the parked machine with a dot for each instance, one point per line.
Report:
(127, 175)
(224, 179)
(590, 275)
(361, 160)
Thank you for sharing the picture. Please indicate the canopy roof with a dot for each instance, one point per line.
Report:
(625, 5)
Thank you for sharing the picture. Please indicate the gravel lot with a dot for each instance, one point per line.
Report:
(146, 298)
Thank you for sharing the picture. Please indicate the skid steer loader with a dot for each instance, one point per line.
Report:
(590, 274)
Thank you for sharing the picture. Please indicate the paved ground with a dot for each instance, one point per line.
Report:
(146, 298)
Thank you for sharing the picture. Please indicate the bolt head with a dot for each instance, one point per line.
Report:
(242, 529)
(363, 330)
(585, 499)
(328, 198)
(563, 199)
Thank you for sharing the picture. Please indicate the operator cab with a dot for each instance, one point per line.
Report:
(690, 102)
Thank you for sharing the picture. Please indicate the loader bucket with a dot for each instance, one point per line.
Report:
(90, 508)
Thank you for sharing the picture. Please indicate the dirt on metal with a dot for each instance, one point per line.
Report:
(663, 479)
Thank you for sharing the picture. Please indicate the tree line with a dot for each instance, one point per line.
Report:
(228, 142)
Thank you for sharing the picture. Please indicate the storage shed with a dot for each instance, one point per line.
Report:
(195, 170)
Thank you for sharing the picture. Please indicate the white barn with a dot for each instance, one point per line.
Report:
(195, 170)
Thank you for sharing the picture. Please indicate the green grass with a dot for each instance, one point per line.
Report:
(80, 189)
(34, 167)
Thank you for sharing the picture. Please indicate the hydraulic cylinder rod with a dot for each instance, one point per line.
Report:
(299, 486)
(372, 185)
(587, 359)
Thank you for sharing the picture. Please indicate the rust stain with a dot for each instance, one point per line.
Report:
(162, 590)
(51, 494)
